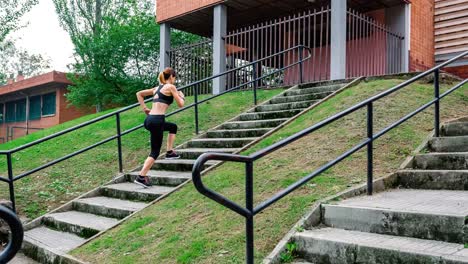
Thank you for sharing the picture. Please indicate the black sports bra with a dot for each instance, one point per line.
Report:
(162, 98)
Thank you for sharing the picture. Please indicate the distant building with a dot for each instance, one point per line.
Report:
(29, 105)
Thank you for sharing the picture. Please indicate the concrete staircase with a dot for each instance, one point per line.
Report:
(49, 238)
(424, 219)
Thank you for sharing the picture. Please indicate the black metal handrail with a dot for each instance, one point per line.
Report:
(8, 153)
(249, 211)
(15, 238)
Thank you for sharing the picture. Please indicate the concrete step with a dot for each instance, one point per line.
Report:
(42, 244)
(331, 245)
(108, 207)
(20, 258)
(433, 179)
(254, 124)
(179, 164)
(269, 115)
(322, 83)
(319, 89)
(219, 142)
(194, 153)
(299, 98)
(301, 261)
(238, 133)
(285, 106)
(427, 214)
(82, 224)
(455, 129)
(449, 144)
(132, 191)
(441, 161)
(164, 178)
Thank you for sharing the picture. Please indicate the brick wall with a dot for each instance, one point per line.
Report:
(422, 35)
(68, 112)
(167, 9)
(461, 71)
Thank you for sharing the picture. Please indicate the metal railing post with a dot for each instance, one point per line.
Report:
(249, 220)
(119, 141)
(11, 182)
(301, 71)
(255, 82)
(370, 146)
(437, 103)
(195, 96)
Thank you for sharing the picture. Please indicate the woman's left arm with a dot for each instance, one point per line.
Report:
(141, 98)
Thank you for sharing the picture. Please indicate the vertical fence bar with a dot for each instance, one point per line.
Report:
(437, 103)
(195, 97)
(370, 148)
(249, 223)
(321, 45)
(119, 141)
(255, 83)
(11, 182)
(301, 66)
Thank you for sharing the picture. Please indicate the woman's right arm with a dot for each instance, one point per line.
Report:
(141, 98)
(178, 96)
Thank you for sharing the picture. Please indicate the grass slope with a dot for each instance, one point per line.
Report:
(56, 185)
(188, 228)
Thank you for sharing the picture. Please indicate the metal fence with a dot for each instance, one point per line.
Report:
(310, 28)
(372, 49)
(193, 62)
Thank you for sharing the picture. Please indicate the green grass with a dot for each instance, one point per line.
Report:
(189, 228)
(47, 189)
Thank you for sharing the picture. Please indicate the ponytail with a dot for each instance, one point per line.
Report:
(166, 74)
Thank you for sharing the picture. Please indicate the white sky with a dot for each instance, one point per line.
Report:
(45, 36)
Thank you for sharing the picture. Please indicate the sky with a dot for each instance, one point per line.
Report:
(45, 36)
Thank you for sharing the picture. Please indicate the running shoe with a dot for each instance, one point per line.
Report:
(172, 155)
(142, 181)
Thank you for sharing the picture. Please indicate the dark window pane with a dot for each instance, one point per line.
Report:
(21, 110)
(10, 115)
(35, 107)
(48, 104)
(2, 114)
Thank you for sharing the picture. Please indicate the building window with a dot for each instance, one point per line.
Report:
(10, 115)
(35, 107)
(48, 104)
(21, 110)
(1, 114)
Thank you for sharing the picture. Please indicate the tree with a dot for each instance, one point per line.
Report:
(11, 12)
(116, 50)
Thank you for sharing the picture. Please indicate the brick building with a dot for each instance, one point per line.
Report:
(28, 105)
(354, 37)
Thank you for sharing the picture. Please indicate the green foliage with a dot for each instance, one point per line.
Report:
(11, 12)
(117, 51)
(288, 255)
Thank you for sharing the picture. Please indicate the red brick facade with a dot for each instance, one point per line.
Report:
(461, 71)
(422, 35)
(53, 82)
(167, 9)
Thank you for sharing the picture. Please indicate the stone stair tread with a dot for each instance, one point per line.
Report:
(244, 129)
(270, 112)
(87, 220)
(224, 139)
(20, 258)
(398, 244)
(205, 150)
(183, 161)
(165, 174)
(54, 240)
(263, 120)
(132, 187)
(437, 202)
(300, 261)
(290, 103)
(113, 203)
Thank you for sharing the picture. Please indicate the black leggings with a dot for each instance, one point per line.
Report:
(156, 125)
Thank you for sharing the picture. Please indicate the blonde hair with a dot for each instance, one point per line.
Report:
(166, 74)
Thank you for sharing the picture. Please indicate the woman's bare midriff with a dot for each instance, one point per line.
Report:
(160, 108)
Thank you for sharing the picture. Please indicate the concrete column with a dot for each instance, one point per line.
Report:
(219, 49)
(398, 21)
(164, 45)
(338, 40)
